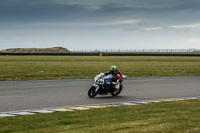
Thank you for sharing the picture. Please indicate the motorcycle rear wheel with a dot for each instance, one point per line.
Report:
(116, 92)
(92, 92)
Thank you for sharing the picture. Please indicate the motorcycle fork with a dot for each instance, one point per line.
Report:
(97, 87)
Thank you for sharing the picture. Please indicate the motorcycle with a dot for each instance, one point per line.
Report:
(103, 86)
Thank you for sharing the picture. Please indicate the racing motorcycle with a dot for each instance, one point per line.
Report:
(103, 86)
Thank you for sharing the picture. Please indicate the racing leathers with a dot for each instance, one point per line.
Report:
(116, 79)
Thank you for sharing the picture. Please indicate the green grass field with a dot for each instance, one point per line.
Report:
(165, 117)
(177, 116)
(70, 67)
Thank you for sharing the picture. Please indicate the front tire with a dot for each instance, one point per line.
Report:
(92, 92)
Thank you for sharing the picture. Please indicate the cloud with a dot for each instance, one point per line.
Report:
(104, 23)
(152, 29)
(37, 11)
(97, 22)
(22, 11)
(196, 25)
(193, 40)
(131, 3)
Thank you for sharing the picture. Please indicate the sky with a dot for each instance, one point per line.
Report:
(100, 24)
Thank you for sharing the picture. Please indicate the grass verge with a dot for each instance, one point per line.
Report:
(70, 67)
(176, 116)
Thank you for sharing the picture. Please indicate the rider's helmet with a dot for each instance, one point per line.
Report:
(113, 70)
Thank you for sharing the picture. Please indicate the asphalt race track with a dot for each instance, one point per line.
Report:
(25, 95)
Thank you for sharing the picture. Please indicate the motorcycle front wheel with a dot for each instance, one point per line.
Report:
(92, 92)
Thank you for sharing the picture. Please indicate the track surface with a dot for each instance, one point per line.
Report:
(25, 95)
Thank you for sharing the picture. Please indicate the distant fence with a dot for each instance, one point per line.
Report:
(138, 50)
(103, 54)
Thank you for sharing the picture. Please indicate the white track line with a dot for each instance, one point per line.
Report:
(90, 106)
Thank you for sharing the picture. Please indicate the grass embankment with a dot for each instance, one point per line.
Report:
(65, 67)
(177, 117)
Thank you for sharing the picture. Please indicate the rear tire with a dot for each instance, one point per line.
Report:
(116, 92)
(92, 92)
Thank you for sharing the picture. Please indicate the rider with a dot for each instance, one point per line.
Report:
(116, 77)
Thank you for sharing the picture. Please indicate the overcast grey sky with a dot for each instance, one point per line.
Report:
(101, 24)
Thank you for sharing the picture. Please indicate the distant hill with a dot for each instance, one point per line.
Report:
(36, 50)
